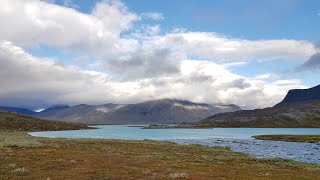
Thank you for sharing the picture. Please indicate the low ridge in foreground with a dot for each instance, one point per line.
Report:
(14, 121)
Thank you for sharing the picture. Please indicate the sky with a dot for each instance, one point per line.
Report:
(248, 53)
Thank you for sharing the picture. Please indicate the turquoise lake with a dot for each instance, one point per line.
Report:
(238, 139)
(128, 132)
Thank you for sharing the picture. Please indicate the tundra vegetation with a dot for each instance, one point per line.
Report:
(25, 157)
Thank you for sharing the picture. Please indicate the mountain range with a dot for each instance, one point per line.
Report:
(300, 108)
(160, 111)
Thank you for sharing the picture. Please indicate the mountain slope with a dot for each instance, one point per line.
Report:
(155, 111)
(55, 108)
(87, 114)
(14, 121)
(166, 111)
(17, 110)
(300, 108)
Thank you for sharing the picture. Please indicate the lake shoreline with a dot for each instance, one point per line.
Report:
(200, 126)
(239, 139)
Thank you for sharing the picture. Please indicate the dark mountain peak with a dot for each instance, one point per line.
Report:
(301, 96)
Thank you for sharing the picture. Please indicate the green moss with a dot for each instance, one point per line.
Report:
(19, 139)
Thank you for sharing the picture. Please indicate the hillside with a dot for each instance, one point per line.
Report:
(17, 110)
(14, 121)
(155, 111)
(300, 108)
(86, 114)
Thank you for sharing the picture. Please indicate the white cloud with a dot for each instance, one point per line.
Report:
(146, 61)
(153, 30)
(268, 76)
(144, 31)
(234, 64)
(218, 48)
(141, 64)
(145, 64)
(35, 82)
(35, 22)
(153, 15)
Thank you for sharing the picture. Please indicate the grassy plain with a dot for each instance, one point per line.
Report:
(25, 157)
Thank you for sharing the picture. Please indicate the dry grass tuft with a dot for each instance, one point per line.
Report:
(21, 171)
(178, 175)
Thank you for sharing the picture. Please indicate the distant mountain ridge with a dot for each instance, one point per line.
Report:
(300, 108)
(166, 111)
(150, 112)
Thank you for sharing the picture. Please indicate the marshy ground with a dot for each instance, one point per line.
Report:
(25, 157)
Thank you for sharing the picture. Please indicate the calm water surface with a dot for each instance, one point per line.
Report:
(238, 139)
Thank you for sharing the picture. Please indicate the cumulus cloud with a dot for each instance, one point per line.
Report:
(206, 46)
(219, 48)
(36, 82)
(35, 22)
(31, 81)
(137, 66)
